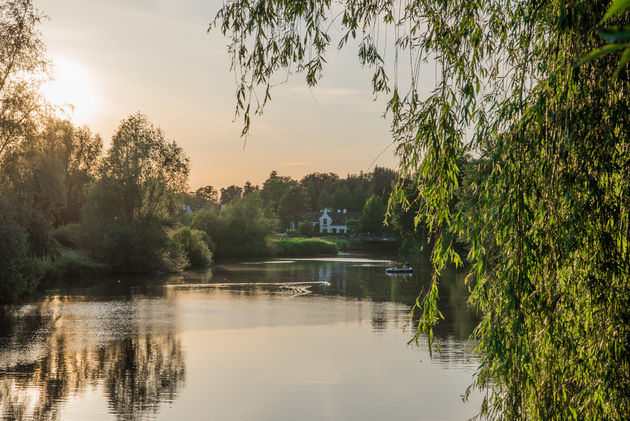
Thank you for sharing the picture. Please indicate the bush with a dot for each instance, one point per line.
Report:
(305, 229)
(240, 229)
(70, 264)
(194, 244)
(14, 281)
(293, 247)
(68, 235)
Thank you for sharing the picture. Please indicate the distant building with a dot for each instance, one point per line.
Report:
(333, 222)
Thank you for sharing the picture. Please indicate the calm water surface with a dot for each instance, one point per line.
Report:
(301, 339)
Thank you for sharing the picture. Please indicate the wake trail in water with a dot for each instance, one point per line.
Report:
(290, 289)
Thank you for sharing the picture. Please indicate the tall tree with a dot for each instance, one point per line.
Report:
(22, 68)
(248, 188)
(141, 179)
(383, 181)
(548, 220)
(342, 197)
(230, 194)
(274, 188)
(293, 206)
(203, 197)
(372, 216)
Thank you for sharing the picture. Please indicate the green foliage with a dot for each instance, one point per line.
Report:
(372, 217)
(14, 277)
(305, 229)
(230, 194)
(209, 222)
(203, 197)
(240, 229)
(68, 235)
(124, 218)
(342, 197)
(293, 206)
(248, 188)
(70, 264)
(545, 211)
(404, 221)
(194, 243)
(274, 189)
(22, 63)
(617, 37)
(353, 225)
(295, 247)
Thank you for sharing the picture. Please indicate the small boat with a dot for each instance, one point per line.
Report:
(408, 269)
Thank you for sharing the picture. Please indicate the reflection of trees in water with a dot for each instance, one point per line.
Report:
(141, 372)
(137, 371)
(367, 280)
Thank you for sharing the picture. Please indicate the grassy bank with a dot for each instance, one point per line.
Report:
(297, 246)
(71, 264)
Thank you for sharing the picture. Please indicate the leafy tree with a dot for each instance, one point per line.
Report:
(293, 206)
(22, 64)
(383, 181)
(140, 180)
(230, 194)
(249, 188)
(240, 229)
(194, 244)
(14, 256)
(359, 197)
(372, 216)
(353, 225)
(203, 197)
(342, 197)
(77, 151)
(325, 201)
(404, 221)
(34, 176)
(546, 219)
(317, 183)
(305, 229)
(274, 189)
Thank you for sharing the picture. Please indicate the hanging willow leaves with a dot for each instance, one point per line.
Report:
(515, 151)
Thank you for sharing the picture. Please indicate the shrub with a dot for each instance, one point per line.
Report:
(241, 229)
(68, 235)
(70, 264)
(194, 245)
(293, 247)
(13, 258)
(305, 229)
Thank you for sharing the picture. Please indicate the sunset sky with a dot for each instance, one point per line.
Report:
(117, 57)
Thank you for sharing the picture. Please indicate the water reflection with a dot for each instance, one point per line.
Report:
(56, 350)
(279, 339)
(362, 278)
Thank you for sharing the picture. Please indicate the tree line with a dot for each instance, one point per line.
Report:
(291, 201)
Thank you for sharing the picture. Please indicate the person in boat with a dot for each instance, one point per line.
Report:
(406, 266)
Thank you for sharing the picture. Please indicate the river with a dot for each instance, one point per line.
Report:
(279, 339)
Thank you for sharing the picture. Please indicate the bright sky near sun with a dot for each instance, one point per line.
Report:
(116, 57)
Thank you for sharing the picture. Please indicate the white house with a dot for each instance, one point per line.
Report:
(333, 222)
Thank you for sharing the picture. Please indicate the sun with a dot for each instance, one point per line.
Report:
(72, 91)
